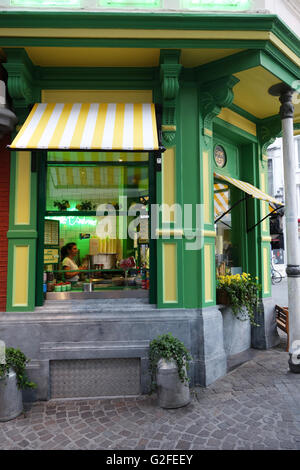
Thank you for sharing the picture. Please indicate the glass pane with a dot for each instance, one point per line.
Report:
(131, 3)
(98, 156)
(217, 4)
(46, 3)
(85, 187)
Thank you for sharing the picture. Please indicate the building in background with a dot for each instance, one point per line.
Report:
(276, 188)
(164, 102)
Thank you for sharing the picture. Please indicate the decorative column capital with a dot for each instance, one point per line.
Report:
(285, 93)
(268, 130)
(169, 78)
(214, 96)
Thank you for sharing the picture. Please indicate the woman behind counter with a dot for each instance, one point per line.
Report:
(68, 254)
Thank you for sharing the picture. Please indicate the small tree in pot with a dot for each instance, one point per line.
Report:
(169, 360)
(13, 379)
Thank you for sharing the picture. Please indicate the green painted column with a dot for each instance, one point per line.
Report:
(22, 233)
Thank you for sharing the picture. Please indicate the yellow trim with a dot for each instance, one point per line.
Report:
(150, 34)
(266, 269)
(169, 272)
(208, 273)
(265, 205)
(169, 232)
(266, 239)
(208, 132)
(168, 184)
(96, 96)
(23, 186)
(133, 33)
(209, 233)
(206, 188)
(165, 127)
(20, 276)
(280, 45)
(237, 120)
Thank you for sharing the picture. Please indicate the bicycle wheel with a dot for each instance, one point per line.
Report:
(276, 277)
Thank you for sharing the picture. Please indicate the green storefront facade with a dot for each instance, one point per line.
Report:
(209, 76)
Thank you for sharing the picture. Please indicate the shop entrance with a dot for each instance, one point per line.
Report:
(95, 224)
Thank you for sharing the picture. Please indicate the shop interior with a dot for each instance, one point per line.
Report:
(99, 203)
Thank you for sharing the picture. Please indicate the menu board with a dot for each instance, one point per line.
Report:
(51, 255)
(51, 236)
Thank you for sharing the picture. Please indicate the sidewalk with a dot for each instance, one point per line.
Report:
(256, 406)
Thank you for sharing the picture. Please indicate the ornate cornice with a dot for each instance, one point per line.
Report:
(169, 78)
(268, 130)
(214, 96)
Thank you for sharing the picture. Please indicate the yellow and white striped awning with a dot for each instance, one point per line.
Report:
(248, 188)
(221, 199)
(89, 126)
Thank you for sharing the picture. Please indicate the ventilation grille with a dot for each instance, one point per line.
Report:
(94, 378)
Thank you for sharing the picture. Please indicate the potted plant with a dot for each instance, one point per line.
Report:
(13, 379)
(241, 293)
(169, 360)
(62, 205)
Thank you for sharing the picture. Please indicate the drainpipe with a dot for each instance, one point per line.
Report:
(285, 94)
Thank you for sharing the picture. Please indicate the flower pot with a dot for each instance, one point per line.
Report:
(11, 404)
(171, 392)
(222, 297)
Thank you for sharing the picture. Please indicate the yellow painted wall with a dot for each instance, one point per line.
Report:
(206, 188)
(168, 183)
(208, 281)
(20, 276)
(96, 96)
(169, 272)
(266, 268)
(237, 120)
(23, 185)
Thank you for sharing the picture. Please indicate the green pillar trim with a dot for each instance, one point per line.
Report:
(21, 235)
(169, 76)
(11, 234)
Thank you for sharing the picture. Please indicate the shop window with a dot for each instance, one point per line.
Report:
(131, 3)
(217, 4)
(46, 3)
(98, 201)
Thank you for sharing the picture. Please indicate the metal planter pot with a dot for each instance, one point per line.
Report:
(171, 392)
(11, 404)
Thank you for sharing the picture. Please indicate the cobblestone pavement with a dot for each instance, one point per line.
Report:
(256, 406)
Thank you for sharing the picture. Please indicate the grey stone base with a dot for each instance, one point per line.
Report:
(212, 363)
(265, 335)
(121, 329)
(236, 333)
(110, 329)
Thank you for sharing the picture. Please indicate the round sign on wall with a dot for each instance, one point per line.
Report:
(220, 156)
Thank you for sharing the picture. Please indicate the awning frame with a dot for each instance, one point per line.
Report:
(246, 198)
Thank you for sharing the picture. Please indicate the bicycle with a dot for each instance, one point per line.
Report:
(276, 277)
